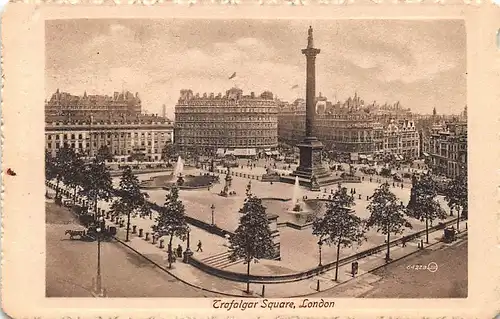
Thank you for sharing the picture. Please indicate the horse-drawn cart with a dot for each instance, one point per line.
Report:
(106, 234)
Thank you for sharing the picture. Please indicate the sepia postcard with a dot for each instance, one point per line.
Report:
(250, 159)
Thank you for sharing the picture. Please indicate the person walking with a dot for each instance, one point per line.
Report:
(179, 251)
(199, 247)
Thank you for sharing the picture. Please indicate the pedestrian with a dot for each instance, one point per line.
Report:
(179, 251)
(199, 246)
(403, 241)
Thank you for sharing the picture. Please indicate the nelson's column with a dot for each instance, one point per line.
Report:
(311, 167)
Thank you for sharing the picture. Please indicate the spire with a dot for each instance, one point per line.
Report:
(434, 112)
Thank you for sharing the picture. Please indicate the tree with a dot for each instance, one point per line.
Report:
(171, 220)
(339, 226)
(423, 204)
(130, 200)
(50, 169)
(62, 165)
(387, 215)
(457, 196)
(97, 184)
(104, 153)
(168, 151)
(75, 174)
(252, 239)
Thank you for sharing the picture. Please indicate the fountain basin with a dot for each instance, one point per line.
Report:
(190, 182)
(287, 217)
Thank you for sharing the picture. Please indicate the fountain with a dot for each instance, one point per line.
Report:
(179, 179)
(178, 169)
(296, 194)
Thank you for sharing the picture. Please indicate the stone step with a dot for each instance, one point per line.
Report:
(216, 257)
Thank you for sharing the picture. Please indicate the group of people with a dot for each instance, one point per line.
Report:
(178, 251)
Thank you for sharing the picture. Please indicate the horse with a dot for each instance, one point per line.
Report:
(73, 233)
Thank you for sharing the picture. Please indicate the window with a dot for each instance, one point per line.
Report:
(49, 137)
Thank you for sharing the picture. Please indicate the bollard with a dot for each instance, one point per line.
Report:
(367, 197)
(359, 196)
(317, 286)
(147, 237)
(134, 229)
(140, 232)
(153, 241)
(421, 243)
(161, 243)
(263, 290)
(465, 225)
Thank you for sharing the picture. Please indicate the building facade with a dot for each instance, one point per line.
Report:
(237, 123)
(125, 138)
(446, 149)
(351, 134)
(65, 104)
(402, 138)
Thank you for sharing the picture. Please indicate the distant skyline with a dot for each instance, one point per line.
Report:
(421, 63)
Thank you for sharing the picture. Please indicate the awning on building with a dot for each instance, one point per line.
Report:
(268, 153)
(275, 153)
(229, 153)
(362, 156)
(245, 152)
(369, 157)
(220, 151)
(425, 154)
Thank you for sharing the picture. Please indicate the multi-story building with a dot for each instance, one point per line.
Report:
(350, 132)
(62, 103)
(446, 149)
(233, 123)
(124, 137)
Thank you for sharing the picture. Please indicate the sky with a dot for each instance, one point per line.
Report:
(421, 63)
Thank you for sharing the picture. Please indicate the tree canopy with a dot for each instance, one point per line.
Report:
(97, 184)
(423, 204)
(387, 213)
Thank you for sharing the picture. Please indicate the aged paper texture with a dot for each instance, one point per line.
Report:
(250, 160)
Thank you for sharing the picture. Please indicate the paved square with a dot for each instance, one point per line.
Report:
(299, 248)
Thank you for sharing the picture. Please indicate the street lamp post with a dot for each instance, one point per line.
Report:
(187, 253)
(98, 287)
(213, 210)
(320, 243)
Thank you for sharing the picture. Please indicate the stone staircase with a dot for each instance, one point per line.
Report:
(220, 261)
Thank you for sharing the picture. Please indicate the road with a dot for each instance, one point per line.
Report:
(71, 265)
(401, 280)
